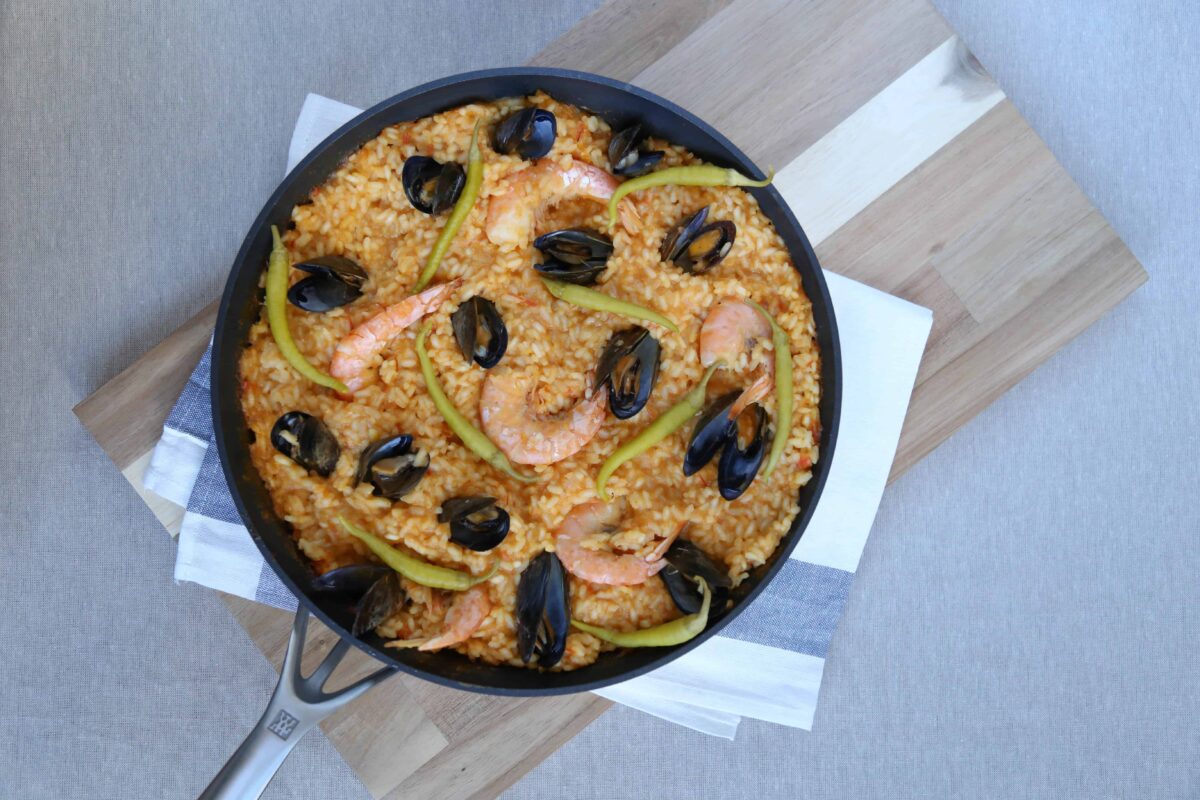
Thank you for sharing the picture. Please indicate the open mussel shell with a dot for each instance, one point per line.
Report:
(306, 440)
(392, 466)
(575, 246)
(625, 155)
(380, 602)
(543, 611)
(629, 367)
(585, 274)
(711, 432)
(529, 133)
(696, 247)
(333, 281)
(432, 187)
(476, 522)
(352, 581)
(480, 331)
(738, 465)
(685, 562)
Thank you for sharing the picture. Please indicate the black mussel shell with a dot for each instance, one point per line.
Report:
(629, 366)
(476, 522)
(543, 611)
(432, 187)
(738, 465)
(333, 281)
(474, 317)
(352, 581)
(686, 562)
(380, 601)
(304, 439)
(712, 431)
(529, 133)
(696, 247)
(585, 274)
(575, 246)
(392, 466)
(625, 156)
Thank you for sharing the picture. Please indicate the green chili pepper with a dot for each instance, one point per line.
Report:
(699, 175)
(466, 201)
(670, 421)
(677, 631)
(585, 297)
(413, 568)
(277, 286)
(784, 390)
(475, 440)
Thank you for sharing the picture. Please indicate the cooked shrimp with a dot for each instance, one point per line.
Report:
(732, 329)
(361, 346)
(598, 566)
(513, 215)
(466, 614)
(510, 420)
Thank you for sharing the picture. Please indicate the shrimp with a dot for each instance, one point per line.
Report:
(527, 437)
(466, 614)
(732, 329)
(598, 566)
(513, 214)
(356, 351)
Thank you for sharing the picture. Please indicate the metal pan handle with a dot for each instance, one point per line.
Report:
(297, 705)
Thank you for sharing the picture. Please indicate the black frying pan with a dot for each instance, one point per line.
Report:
(619, 104)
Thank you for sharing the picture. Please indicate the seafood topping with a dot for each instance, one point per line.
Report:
(685, 563)
(629, 367)
(432, 187)
(625, 155)
(696, 247)
(543, 611)
(476, 522)
(585, 274)
(392, 466)
(333, 281)
(529, 133)
(374, 590)
(480, 332)
(306, 440)
(712, 431)
(575, 246)
(739, 465)
(352, 581)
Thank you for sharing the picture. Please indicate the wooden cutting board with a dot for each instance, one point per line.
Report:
(910, 172)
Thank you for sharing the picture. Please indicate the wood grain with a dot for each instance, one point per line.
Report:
(986, 230)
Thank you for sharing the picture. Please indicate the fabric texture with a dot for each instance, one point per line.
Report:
(790, 625)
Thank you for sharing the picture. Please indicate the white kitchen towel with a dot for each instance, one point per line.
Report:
(767, 664)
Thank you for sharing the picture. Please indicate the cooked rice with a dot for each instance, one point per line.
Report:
(361, 212)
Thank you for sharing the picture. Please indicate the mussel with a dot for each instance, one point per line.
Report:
(543, 611)
(306, 440)
(696, 247)
(574, 255)
(432, 187)
(738, 465)
(711, 432)
(686, 562)
(333, 281)
(716, 431)
(529, 133)
(392, 466)
(629, 367)
(476, 522)
(625, 155)
(480, 332)
(375, 591)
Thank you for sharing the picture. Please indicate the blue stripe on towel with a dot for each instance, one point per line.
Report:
(799, 610)
(192, 412)
(210, 496)
(272, 592)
